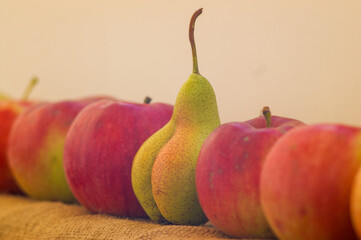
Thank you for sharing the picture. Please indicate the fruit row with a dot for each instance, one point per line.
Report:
(267, 177)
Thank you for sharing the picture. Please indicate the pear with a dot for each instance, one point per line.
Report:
(163, 170)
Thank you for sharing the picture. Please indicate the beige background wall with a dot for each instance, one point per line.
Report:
(302, 58)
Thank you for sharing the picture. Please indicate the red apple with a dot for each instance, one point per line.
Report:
(306, 182)
(9, 110)
(228, 173)
(35, 149)
(99, 152)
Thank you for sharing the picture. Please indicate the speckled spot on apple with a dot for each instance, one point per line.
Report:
(245, 155)
(99, 124)
(68, 122)
(55, 112)
(246, 139)
(279, 225)
(295, 166)
(223, 154)
(302, 211)
(294, 146)
(211, 176)
(54, 159)
(284, 130)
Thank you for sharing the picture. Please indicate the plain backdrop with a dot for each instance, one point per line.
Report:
(301, 58)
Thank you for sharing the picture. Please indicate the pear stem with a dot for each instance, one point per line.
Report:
(147, 100)
(267, 115)
(191, 39)
(29, 88)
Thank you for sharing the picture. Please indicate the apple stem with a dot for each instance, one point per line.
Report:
(191, 39)
(147, 100)
(29, 88)
(267, 116)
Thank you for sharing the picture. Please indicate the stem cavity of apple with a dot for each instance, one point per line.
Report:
(147, 100)
(29, 88)
(191, 39)
(267, 116)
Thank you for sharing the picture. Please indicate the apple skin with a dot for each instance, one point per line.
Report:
(9, 110)
(100, 149)
(355, 203)
(36, 146)
(306, 182)
(228, 173)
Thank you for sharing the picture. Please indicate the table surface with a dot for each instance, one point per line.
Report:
(24, 218)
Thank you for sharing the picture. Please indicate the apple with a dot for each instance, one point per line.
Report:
(228, 173)
(99, 152)
(9, 110)
(306, 182)
(355, 202)
(36, 146)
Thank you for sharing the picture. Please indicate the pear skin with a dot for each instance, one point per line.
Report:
(142, 170)
(163, 171)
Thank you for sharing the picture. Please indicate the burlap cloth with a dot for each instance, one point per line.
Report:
(23, 219)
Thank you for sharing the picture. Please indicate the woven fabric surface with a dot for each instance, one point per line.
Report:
(22, 218)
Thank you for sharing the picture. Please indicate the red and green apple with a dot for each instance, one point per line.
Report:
(36, 147)
(307, 179)
(9, 110)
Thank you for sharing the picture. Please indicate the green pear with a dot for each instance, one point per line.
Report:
(163, 171)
